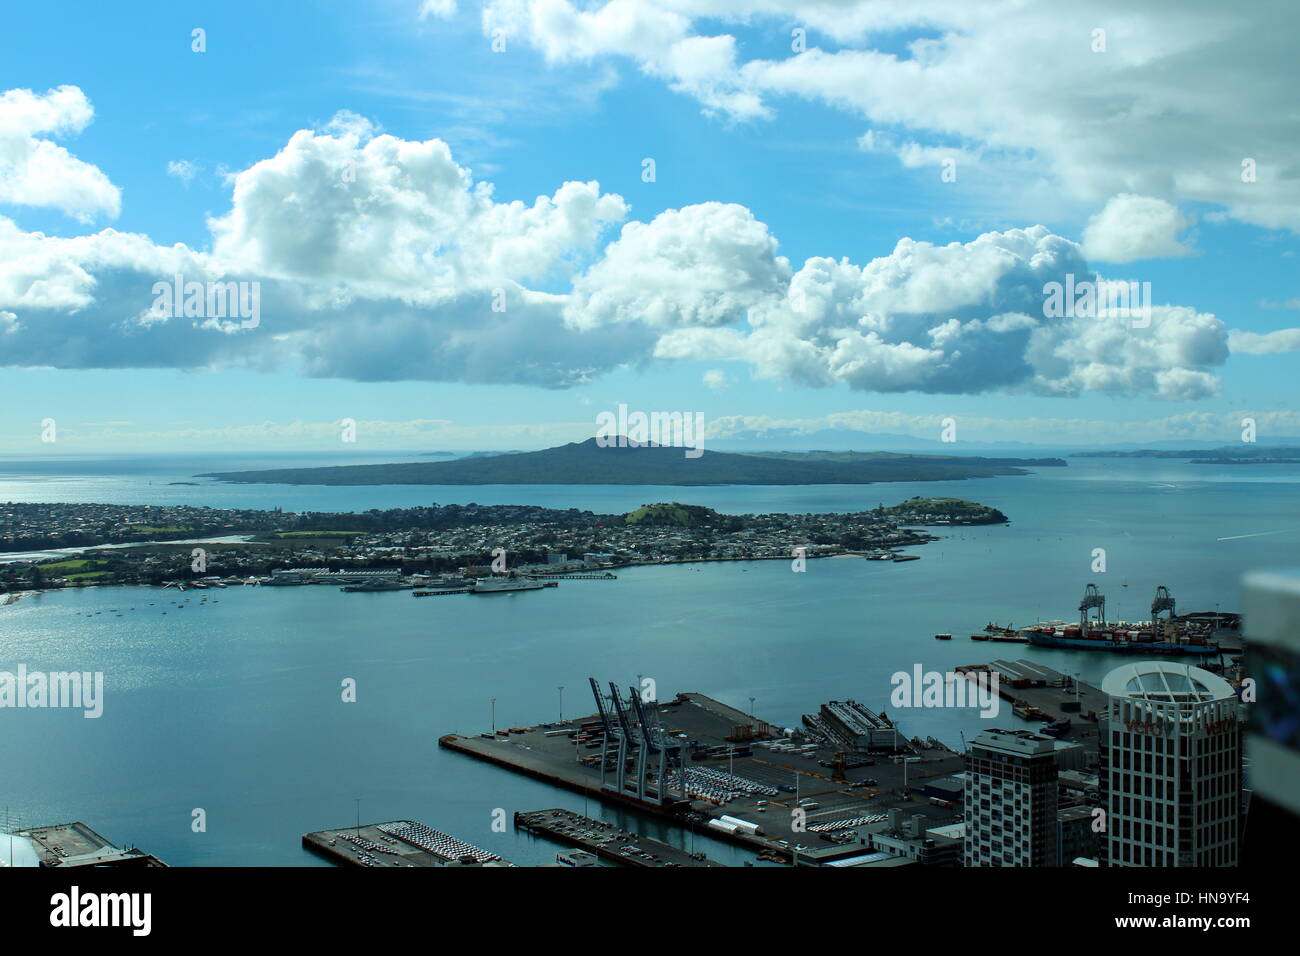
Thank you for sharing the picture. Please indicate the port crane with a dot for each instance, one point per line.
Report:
(623, 722)
(600, 704)
(627, 745)
(615, 738)
(1164, 601)
(654, 746)
(1092, 598)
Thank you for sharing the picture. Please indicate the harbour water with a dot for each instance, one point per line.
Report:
(233, 704)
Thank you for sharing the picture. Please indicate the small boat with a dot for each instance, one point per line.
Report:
(943, 637)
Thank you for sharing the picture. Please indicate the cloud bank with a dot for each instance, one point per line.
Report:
(1087, 100)
(382, 259)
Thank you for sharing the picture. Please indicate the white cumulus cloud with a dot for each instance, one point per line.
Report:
(442, 9)
(960, 318)
(701, 265)
(393, 216)
(1264, 343)
(1136, 227)
(35, 171)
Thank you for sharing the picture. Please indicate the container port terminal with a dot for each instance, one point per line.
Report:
(711, 768)
(396, 843)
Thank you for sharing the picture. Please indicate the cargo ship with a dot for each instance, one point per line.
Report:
(1156, 636)
(1119, 641)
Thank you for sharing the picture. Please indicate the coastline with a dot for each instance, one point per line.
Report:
(12, 597)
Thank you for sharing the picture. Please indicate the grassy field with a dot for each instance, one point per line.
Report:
(75, 570)
(63, 567)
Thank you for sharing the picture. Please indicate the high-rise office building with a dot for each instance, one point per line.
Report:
(1011, 800)
(1170, 767)
(1271, 611)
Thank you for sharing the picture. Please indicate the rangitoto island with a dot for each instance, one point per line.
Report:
(588, 463)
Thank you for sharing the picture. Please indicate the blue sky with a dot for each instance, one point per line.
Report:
(586, 100)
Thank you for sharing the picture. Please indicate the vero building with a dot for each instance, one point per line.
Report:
(1170, 767)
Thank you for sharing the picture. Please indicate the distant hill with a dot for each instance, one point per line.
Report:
(1234, 453)
(755, 441)
(890, 457)
(758, 441)
(586, 463)
(674, 515)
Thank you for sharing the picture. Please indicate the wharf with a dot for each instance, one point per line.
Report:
(1050, 691)
(606, 840)
(792, 797)
(396, 843)
(573, 577)
(71, 845)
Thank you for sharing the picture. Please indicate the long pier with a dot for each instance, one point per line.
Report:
(606, 840)
(1051, 692)
(574, 577)
(396, 843)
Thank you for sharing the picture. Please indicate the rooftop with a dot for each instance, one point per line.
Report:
(1167, 682)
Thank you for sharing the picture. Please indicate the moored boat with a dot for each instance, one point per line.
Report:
(490, 586)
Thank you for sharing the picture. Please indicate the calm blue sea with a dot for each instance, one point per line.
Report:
(233, 704)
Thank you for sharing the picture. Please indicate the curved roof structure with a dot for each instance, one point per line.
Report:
(1166, 682)
(17, 851)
